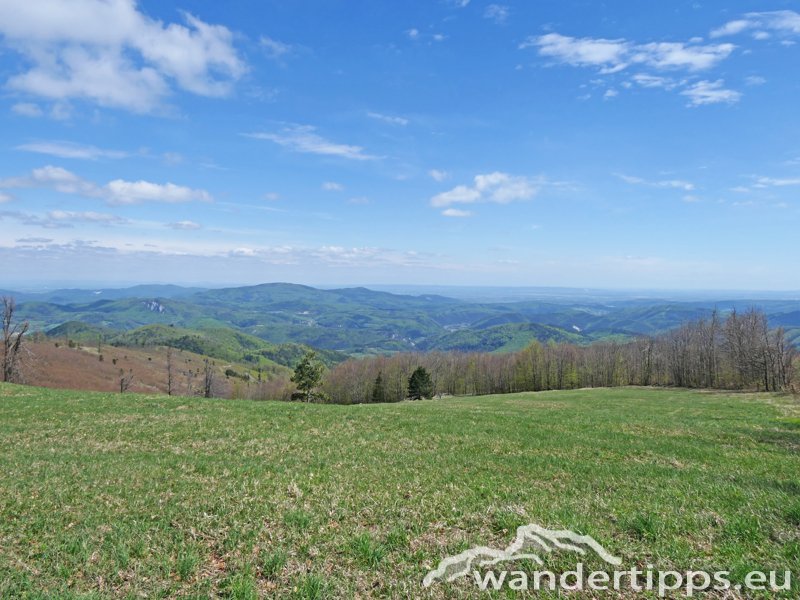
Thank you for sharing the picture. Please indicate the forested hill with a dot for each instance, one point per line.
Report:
(360, 321)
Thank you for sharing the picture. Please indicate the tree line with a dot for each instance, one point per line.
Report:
(737, 352)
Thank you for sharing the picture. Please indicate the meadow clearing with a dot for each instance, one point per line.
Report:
(125, 496)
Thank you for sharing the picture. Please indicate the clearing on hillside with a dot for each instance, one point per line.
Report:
(110, 496)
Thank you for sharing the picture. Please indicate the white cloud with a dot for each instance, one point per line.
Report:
(755, 80)
(86, 216)
(455, 212)
(184, 225)
(71, 150)
(654, 81)
(115, 192)
(412, 33)
(498, 13)
(461, 194)
(612, 56)
(763, 182)
(120, 191)
(497, 187)
(110, 53)
(55, 178)
(710, 92)
(391, 120)
(785, 22)
(302, 138)
(5, 198)
(359, 201)
(272, 196)
(677, 184)
(438, 175)
(610, 94)
(27, 109)
(332, 186)
(274, 49)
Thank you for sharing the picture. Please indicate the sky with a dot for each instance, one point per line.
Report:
(446, 142)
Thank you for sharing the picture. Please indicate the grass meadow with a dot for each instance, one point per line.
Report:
(130, 496)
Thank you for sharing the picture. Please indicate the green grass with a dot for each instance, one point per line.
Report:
(104, 496)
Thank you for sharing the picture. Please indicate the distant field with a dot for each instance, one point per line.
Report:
(104, 496)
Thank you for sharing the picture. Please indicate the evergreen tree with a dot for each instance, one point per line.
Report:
(379, 389)
(420, 384)
(308, 374)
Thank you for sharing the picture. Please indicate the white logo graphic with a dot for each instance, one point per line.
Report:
(531, 540)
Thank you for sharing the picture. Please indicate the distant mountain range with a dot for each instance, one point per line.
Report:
(360, 321)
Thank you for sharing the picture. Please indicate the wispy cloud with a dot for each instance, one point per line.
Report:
(612, 56)
(498, 13)
(302, 138)
(763, 182)
(71, 150)
(438, 175)
(390, 119)
(5, 198)
(455, 212)
(27, 109)
(274, 49)
(63, 219)
(184, 225)
(678, 184)
(332, 186)
(710, 92)
(115, 192)
(785, 22)
(112, 54)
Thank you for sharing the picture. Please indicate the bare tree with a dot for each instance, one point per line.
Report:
(170, 379)
(12, 340)
(208, 378)
(125, 380)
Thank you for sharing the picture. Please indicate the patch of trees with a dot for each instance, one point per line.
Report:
(738, 352)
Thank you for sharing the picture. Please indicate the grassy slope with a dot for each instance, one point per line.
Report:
(169, 496)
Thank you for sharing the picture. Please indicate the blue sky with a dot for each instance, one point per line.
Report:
(461, 142)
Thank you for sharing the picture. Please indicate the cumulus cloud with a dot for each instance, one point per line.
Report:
(710, 92)
(71, 150)
(110, 53)
(115, 192)
(611, 56)
(332, 186)
(302, 138)
(496, 187)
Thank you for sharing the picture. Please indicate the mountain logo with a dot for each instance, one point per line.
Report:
(531, 541)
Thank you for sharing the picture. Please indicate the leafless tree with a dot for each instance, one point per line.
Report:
(125, 380)
(13, 334)
(208, 378)
(170, 378)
